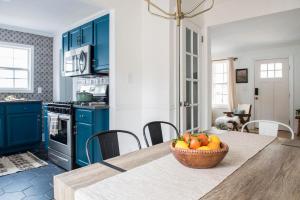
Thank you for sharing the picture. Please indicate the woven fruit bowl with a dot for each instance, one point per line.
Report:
(200, 159)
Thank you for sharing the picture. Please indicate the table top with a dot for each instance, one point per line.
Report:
(273, 173)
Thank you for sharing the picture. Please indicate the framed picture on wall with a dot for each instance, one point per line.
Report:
(241, 75)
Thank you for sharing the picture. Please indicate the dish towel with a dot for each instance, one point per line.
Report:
(54, 124)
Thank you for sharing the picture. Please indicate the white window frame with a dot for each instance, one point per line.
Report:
(30, 88)
(213, 83)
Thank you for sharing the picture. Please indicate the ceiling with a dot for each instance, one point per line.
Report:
(45, 16)
(266, 31)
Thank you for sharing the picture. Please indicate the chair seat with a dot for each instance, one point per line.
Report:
(225, 120)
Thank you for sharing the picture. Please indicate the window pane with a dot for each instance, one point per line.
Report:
(271, 74)
(225, 68)
(188, 118)
(195, 43)
(219, 68)
(195, 90)
(271, 67)
(195, 116)
(278, 66)
(264, 67)
(225, 89)
(21, 74)
(6, 62)
(218, 89)
(188, 92)
(21, 54)
(188, 66)
(20, 63)
(6, 73)
(219, 78)
(264, 74)
(225, 78)
(278, 74)
(188, 40)
(225, 99)
(21, 83)
(6, 52)
(195, 68)
(218, 99)
(6, 83)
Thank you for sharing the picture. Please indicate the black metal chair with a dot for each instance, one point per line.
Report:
(109, 143)
(155, 131)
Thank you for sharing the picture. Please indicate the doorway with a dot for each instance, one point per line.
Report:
(272, 94)
(191, 53)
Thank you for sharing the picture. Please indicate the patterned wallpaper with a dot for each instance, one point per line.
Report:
(43, 63)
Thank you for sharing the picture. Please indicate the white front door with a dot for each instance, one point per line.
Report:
(272, 90)
(191, 54)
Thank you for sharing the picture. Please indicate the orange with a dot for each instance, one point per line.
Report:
(203, 138)
(186, 137)
(195, 143)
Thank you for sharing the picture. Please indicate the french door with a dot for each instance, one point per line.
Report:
(191, 54)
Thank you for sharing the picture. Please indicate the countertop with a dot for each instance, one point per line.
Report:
(21, 101)
(95, 107)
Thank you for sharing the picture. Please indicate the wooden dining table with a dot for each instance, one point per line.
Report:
(273, 173)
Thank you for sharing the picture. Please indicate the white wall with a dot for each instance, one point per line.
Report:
(246, 59)
(226, 11)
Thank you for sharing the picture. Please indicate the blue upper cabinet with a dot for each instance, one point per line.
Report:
(75, 37)
(2, 131)
(95, 33)
(87, 36)
(101, 49)
(65, 42)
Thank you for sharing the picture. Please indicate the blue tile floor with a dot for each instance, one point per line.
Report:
(34, 184)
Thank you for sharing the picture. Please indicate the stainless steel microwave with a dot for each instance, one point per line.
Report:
(77, 62)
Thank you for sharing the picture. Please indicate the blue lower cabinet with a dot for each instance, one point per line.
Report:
(84, 131)
(23, 128)
(46, 130)
(20, 126)
(88, 123)
(2, 131)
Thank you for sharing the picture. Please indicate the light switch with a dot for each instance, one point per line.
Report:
(40, 90)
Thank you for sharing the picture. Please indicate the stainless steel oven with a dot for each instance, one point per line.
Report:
(77, 62)
(61, 144)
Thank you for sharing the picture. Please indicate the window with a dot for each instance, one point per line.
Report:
(220, 83)
(16, 68)
(271, 70)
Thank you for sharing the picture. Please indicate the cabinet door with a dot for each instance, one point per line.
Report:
(84, 131)
(75, 38)
(101, 50)
(23, 128)
(2, 131)
(65, 42)
(87, 34)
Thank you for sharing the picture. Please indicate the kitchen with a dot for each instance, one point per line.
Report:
(38, 128)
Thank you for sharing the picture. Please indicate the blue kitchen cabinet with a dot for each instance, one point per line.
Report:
(88, 123)
(2, 131)
(65, 42)
(20, 126)
(101, 48)
(87, 35)
(75, 37)
(46, 130)
(23, 128)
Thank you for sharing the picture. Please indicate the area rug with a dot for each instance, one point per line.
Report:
(19, 162)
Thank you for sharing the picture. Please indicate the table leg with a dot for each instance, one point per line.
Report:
(298, 127)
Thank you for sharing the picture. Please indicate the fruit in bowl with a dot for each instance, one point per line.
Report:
(199, 150)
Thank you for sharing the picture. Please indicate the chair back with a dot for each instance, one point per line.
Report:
(109, 143)
(155, 131)
(269, 128)
(245, 107)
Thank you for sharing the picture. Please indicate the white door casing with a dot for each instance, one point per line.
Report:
(191, 55)
(273, 99)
